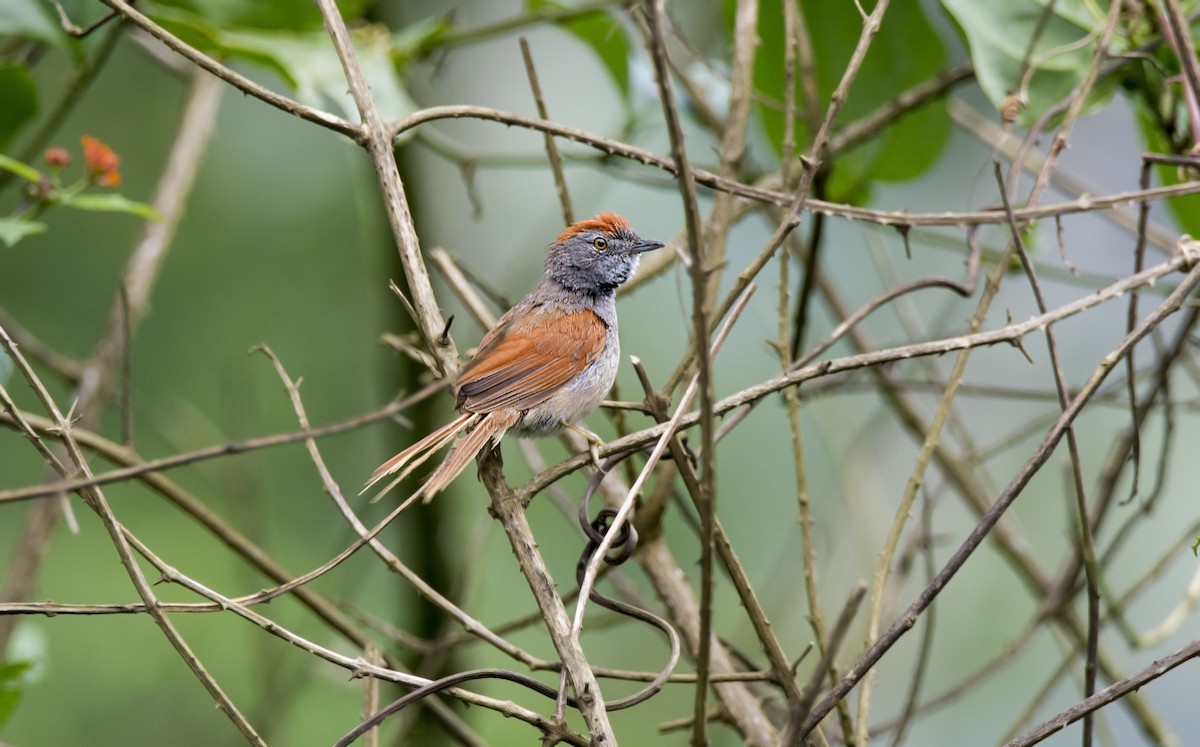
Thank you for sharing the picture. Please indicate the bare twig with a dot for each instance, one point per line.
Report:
(560, 181)
(461, 287)
(770, 196)
(699, 271)
(869, 126)
(62, 366)
(96, 500)
(283, 103)
(1109, 694)
(141, 274)
(367, 536)
(149, 467)
(358, 666)
(1005, 499)
(509, 509)
(840, 628)
(374, 136)
(1006, 334)
(1185, 50)
(927, 632)
(656, 454)
(1087, 546)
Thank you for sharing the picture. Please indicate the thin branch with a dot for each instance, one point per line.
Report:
(771, 196)
(66, 368)
(1185, 50)
(1007, 334)
(865, 128)
(925, 653)
(1087, 544)
(560, 181)
(1131, 311)
(699, 271)
(836, 636)
(149, 467)
(139, 278)
(375, 137)
(461, 287)
(1109, 694)
(742, 705)
(95, 499)
(1003, 501)
(1075, 104)
(242, 83)
(509, 509)
(358, 666)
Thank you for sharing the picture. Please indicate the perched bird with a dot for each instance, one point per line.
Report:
(549, 360)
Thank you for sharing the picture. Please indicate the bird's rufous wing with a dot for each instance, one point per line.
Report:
(522, 364)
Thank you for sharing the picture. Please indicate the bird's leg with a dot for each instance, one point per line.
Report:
(594, 441)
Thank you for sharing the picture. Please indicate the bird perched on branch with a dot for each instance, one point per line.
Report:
(549, 360)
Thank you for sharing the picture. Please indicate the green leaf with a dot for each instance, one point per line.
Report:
(32, 19)
(9, 698)
(109, 203)
(305, 60)
(11, 676)
(11, 671)
(13, 230)
(416, 39)
(601, 31)
(1186, 209)
(998, 37)
(906, 51)
(19, 95)
(21, 169)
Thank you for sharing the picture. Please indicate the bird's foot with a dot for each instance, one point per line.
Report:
(594, 441)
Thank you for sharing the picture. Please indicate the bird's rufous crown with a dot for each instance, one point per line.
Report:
(609, 222)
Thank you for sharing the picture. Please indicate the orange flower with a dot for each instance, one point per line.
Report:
(101, 162)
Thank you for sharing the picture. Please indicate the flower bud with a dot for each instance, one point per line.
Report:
(57, 158)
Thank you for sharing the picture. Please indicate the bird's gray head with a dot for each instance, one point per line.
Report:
(594, 256)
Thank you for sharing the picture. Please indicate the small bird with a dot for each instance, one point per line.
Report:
(549, 360)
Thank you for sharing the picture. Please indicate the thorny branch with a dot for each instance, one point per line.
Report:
(741, 189)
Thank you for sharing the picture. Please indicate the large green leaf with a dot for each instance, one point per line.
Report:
(305, 60)
(18, 101)
(998, 36)
(602, 32)
(906, 51)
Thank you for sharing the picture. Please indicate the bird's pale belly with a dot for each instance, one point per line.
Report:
(575, 400)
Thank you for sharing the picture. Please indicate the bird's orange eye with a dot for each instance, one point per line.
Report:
(600, 242)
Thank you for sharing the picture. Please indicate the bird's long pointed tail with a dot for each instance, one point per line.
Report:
(417, 453)
(490, 430)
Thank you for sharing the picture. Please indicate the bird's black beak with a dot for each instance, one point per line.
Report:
(646, 246)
